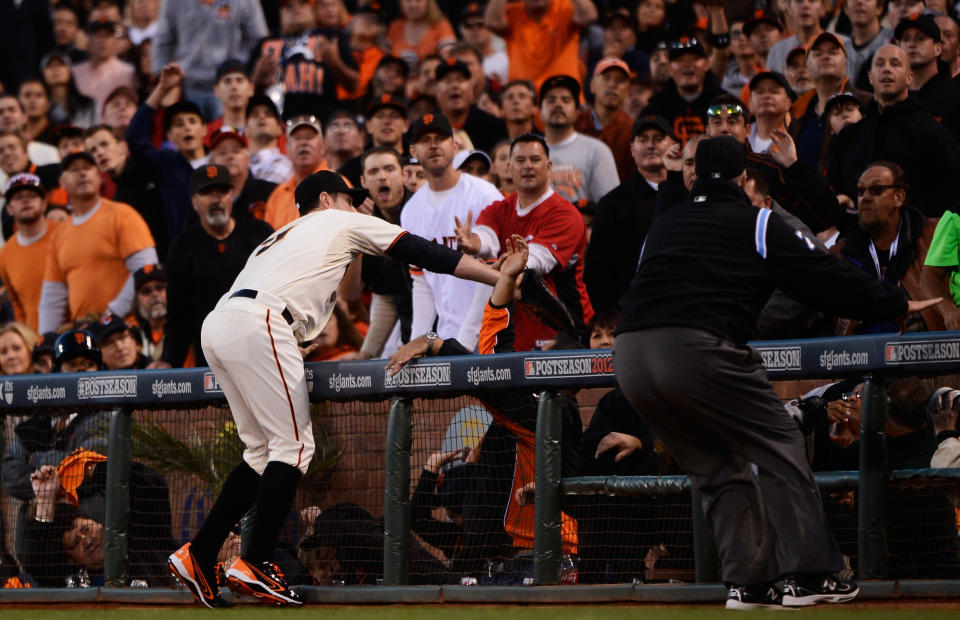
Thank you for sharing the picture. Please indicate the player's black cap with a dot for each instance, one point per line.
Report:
(924, 22)
(328, 181)
(267, 102)
(231, 65)
(211, 175)
(69, 158)
(386, 100)
(560, 81)
(451, 65)
(23, 181)
(72, 344)
(430, 123)
(720, 158)
(149, 273)
(651, 121)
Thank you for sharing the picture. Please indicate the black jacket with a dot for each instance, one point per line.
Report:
(485, 130)
(940, 96)
(688, 118)
(623, 218)
(712, 262)
(907, 134)
(138, 187)
(252, 200)
(200, 270)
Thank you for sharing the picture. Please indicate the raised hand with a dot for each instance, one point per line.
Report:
(783, 150)
(672, 159)
(467, 241)
(624, 444)
(515, 260)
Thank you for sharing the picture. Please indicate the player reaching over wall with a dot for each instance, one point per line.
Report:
(285, 295)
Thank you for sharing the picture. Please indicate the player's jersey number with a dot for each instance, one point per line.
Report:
(266, 245)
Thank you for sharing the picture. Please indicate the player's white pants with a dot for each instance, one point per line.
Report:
(253, 353)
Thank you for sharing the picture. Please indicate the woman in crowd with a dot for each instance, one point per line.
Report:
(421, 30)
(67, 105)
(16, 346)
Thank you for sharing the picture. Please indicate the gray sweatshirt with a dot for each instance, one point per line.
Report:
(200, 36)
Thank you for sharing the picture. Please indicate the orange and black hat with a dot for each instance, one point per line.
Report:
(211, 175)
(386, 100)
(451, 65)
(149, 273)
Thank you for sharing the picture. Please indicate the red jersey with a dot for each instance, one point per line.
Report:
(556, 225)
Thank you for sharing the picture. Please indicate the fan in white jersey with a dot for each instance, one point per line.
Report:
(457, 306)
(284, 295)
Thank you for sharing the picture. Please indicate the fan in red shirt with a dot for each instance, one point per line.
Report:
(552, 227)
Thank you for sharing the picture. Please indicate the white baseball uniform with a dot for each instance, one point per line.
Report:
(250, 342)
(456, 304)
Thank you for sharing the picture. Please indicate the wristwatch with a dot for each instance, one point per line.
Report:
(431, 338)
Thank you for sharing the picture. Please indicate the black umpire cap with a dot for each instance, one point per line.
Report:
(720, 158)
(211, 175)
(328, 181)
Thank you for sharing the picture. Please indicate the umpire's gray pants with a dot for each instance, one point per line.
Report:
(712, 405)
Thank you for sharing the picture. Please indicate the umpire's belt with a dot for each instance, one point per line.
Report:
(249, 293)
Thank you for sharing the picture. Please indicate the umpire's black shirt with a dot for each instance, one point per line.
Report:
(711, 263)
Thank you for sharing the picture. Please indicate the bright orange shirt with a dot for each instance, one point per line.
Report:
(281, 206)
(367, 61)
(539, 49)
(21, 271)
(439, 34)
(90, 257)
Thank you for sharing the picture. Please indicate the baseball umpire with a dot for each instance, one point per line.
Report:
(706, 270)
(285, 295)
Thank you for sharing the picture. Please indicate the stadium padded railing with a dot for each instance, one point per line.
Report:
(875, 357)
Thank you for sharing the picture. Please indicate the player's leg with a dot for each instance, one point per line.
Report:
(277, 393)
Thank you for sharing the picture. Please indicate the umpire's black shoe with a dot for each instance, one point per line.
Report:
(756, 596)
(806, 590)
(537, 296)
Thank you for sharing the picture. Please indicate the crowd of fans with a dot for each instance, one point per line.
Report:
(147, 147)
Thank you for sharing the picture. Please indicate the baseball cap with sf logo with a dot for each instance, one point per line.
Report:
(430, 123)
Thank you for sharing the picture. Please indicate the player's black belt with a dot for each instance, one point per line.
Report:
(252, 294)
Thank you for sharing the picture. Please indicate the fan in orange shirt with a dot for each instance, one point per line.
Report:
(94, 254)
(307, 151)
(23, 257)
(542, 36)
(419, 32)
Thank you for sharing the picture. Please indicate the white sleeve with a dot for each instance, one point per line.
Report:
(424, 307)
(373, 235)
(604, 177)
(122, 304)
(469, 333)
(383, 316)
(53, 306)
(489, 243)
(541, 259)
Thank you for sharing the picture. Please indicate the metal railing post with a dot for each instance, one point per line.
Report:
(871, 514)
(547, 540)
(396, 509)
(119, 453)
(705, 557)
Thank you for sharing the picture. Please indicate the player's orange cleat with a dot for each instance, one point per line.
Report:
(263, 580)
(204, 585)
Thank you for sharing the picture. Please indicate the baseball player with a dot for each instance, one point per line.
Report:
(285, 295)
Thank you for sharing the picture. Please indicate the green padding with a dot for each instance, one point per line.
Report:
(396, 509)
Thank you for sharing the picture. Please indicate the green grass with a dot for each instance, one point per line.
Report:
(457, 612)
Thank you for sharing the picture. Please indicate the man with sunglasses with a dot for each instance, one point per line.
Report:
(885, 242)
(796, 187)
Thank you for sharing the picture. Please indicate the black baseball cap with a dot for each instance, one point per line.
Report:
(65, 131)
(651, 121)
(107, 326)
(327, 181)
(771, 75)
(560, 81)
(472, 9)
(386, 100)
(265, 101)
(211, 175)
(231, 65)
(451, 65)
(101, 24)
(69, 158)
(430, 123)
(149, 273)
(761, 16)
(181, 107)
(720, 158)
(45, 344)
(924, 22)
(394, 60)
(839, 99)
(72, 344)
(686, 45)
(22, 181)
